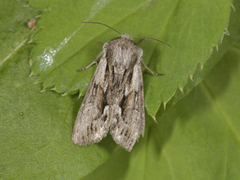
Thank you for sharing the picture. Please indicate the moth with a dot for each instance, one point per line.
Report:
(114, 100)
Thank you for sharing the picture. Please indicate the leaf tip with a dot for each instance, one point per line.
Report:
(36, 82)
(30, 62)
(31, 74)
(38, 16)
(181, 89)
(164, 105)
(43, 90)
(154, 118)
(53, 89)
(30, 41)
(233, 8)
(191, 77)
(80, 95)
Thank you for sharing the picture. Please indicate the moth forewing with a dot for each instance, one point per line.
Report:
(114, 100)
(91, 124)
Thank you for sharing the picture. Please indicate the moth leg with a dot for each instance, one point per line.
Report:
(140, 41)
(92, 63)
(143, 63)
(99, 43)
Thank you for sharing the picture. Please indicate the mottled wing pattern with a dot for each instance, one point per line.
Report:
(129, 117)
(92, 122)
(114, 99)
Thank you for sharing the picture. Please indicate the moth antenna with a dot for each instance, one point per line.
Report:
(104, 25)
(152, 39)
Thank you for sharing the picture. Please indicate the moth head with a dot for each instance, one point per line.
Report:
(126, 36)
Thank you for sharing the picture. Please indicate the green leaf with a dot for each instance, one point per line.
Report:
(199, 138)
(14, 33)
(66, 45)
(231, 37)
(35, 130)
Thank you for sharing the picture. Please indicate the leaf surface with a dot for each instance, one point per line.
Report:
(66, 45)
(196, 139)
